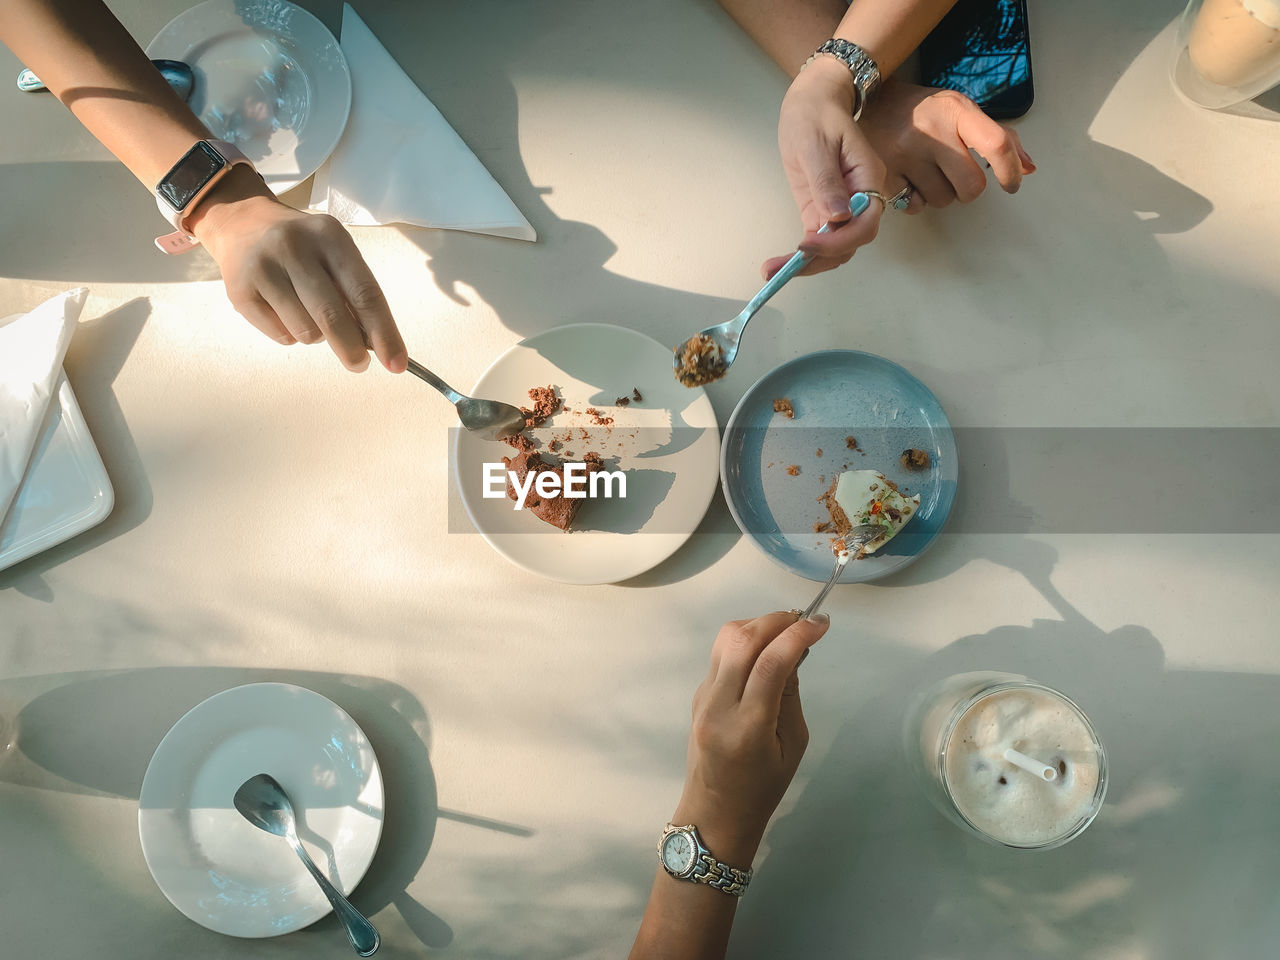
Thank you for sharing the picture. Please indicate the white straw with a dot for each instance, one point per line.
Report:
(1030, 764)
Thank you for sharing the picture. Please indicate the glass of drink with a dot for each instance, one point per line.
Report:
(1007, 759)
(1227, 51)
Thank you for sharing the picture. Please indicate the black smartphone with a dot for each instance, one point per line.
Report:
(982, 48)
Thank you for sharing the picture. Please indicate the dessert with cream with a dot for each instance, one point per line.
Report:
(861, 497)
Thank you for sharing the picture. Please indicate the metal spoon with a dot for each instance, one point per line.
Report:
(854, 541)
(489, 418)
(264, 803)
(178, 74)
(712, 361)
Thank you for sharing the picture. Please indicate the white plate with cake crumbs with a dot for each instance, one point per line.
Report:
(803, 424)
(614, 397)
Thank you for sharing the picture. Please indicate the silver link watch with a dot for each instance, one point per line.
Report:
(866, 75)
(683, 855)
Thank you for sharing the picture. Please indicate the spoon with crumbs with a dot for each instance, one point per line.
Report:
(707, 355)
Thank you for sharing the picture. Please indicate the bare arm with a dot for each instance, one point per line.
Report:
(747, 738)
(790, 30)
(296, 277)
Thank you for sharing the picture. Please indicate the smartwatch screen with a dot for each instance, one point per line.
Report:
(181, 184)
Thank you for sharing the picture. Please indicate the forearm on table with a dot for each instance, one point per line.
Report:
(86, 57)
(790, 30)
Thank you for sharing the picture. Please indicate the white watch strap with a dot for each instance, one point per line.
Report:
(181, 240)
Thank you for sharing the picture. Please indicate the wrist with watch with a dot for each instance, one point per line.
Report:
(187, 183)
(866, 75)
(685, 857)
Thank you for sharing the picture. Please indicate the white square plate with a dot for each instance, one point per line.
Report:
(66, 490)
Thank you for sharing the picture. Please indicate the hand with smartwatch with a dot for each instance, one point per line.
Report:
(296, 277)
(748, 735)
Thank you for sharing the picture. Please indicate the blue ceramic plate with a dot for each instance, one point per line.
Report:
(836, 394)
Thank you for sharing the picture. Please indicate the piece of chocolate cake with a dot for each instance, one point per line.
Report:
(557, 510)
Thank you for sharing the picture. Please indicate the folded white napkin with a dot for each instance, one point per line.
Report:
(399, 161)
(31, 352)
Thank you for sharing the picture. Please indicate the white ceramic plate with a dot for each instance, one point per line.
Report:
(668, 445)
(216, 867)
(66, 490)
(270, 78)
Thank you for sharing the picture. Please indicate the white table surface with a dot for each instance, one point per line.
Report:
(279, 518)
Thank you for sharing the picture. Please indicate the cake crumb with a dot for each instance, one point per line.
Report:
(545, 403)
(851, 443)
(519, 441)
(635, 395)
(622, 401)
(793, 470)
(819, 451)
(598, 418)
(822, 526)
(914, 459)
(553, 446)
(783, 406)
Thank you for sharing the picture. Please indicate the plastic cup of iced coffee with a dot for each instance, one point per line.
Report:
(1227, 51)
(1009, 760)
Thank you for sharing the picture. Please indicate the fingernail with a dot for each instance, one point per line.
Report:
(821, 619)
(286, 340)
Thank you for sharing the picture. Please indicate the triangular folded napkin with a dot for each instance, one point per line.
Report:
(31, 352)
(399, 161)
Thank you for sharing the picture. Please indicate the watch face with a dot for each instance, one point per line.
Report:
(678, 853)
(189, 175)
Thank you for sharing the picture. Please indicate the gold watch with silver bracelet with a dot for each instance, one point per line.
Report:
(683, 855)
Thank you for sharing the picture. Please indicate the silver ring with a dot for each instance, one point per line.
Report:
(902, 199)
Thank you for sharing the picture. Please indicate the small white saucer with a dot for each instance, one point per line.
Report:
(216, 867)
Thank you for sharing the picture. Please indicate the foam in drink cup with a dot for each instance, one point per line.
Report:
(1013, 761)
(1235, 43)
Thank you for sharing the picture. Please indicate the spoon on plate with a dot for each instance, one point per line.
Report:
(263, 802)
(488, 418)
(178, 74)
(707, 355)
(854, 541)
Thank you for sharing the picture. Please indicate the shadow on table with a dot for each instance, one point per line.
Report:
(112, 238)
(95, 358)
(1181, 861)
(715, 536)
(94, 733)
